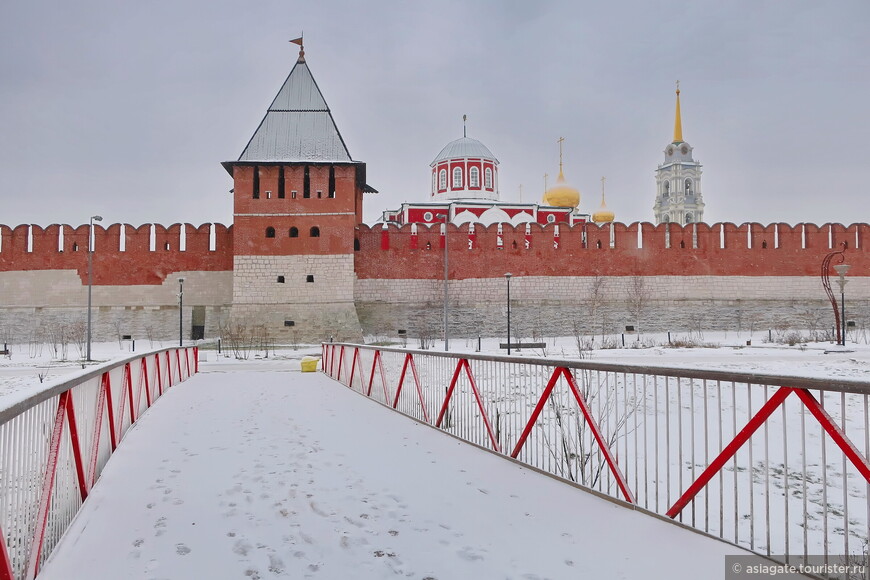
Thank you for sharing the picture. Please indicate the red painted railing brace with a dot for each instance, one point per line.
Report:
(409, 361)
(463, 364)
(593, 426)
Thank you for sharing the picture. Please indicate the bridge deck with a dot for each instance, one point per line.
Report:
(247, 474)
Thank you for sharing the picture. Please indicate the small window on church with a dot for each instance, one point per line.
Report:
(315, 232)
(487, 178)
(319, 194)
(268, 195)
(457, 178)
(474, 177)
(270, 232)
(331, 195)
(292, 195)
(442, 179)
(688, 187)
(294, 232)
(166, 246)
(75, 247)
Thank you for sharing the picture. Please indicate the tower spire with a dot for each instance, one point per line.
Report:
(561, 175)
(301, 48)
(678, 124)
(464, 119)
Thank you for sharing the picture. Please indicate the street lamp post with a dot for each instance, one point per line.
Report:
(508, 278)
(841, 270)
(181, 312)
(826, 284)
(444, 216)
(94, 218)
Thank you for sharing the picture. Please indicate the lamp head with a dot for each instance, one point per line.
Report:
(842, 269)
(508, 275)
(97, 218)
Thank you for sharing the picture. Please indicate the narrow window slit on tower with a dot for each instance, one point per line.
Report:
(280, 279)
(306, 184)
(331, 190)
(281, 182)
(256, 182)
(309, 278)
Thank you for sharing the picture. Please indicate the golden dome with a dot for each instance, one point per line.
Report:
(562, 194)
(603, 215)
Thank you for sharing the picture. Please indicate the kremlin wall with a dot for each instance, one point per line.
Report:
(298, 261)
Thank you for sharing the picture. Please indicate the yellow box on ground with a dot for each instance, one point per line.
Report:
(309, 364)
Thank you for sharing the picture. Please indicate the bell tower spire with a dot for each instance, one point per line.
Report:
(678, 180)
(678, 122)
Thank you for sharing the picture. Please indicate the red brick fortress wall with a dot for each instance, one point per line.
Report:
(637, 249)
(29, 248)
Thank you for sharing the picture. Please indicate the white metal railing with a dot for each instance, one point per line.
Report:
(54, 445)
(776, 464)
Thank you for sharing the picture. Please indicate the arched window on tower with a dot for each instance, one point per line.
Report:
(294, 232)
(457, 178)
(270, 232)
(667, 190)
(442, 179)
(315, 232)
(689, 218)
(666, 219)
(474, 177)
(487, 178)
(688, 187)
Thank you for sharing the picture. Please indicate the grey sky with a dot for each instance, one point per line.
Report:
(127, 109)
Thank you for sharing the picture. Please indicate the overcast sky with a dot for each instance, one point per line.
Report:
(126, 109)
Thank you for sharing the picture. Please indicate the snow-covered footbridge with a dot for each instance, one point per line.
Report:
(256, 470)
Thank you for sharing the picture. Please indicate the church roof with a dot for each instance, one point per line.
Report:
(464, 147)
(298, 125)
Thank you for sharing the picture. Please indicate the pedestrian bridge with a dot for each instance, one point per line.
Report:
(256, 470)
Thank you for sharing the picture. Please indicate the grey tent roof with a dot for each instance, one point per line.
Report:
(298, 125)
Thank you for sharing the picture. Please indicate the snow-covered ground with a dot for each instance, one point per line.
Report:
(255, 471)
(19, 374)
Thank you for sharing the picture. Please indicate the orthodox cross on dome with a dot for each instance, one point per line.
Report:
(560, 141)
(464, 119)
(301, 48)
(603, 179)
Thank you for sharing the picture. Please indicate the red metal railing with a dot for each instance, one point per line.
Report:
(732, 454)
(55, 444)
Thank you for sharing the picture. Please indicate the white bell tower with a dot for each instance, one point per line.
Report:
(678, 181)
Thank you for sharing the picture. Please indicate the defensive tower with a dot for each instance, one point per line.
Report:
(297, 198)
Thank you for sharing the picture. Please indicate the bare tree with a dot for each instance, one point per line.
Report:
(638, 300)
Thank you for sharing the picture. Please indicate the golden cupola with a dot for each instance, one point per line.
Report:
(603, 215)
(561, 194)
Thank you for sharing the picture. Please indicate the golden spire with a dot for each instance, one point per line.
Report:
(678, 124)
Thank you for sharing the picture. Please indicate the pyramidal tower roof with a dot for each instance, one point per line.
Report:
(298, 125)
